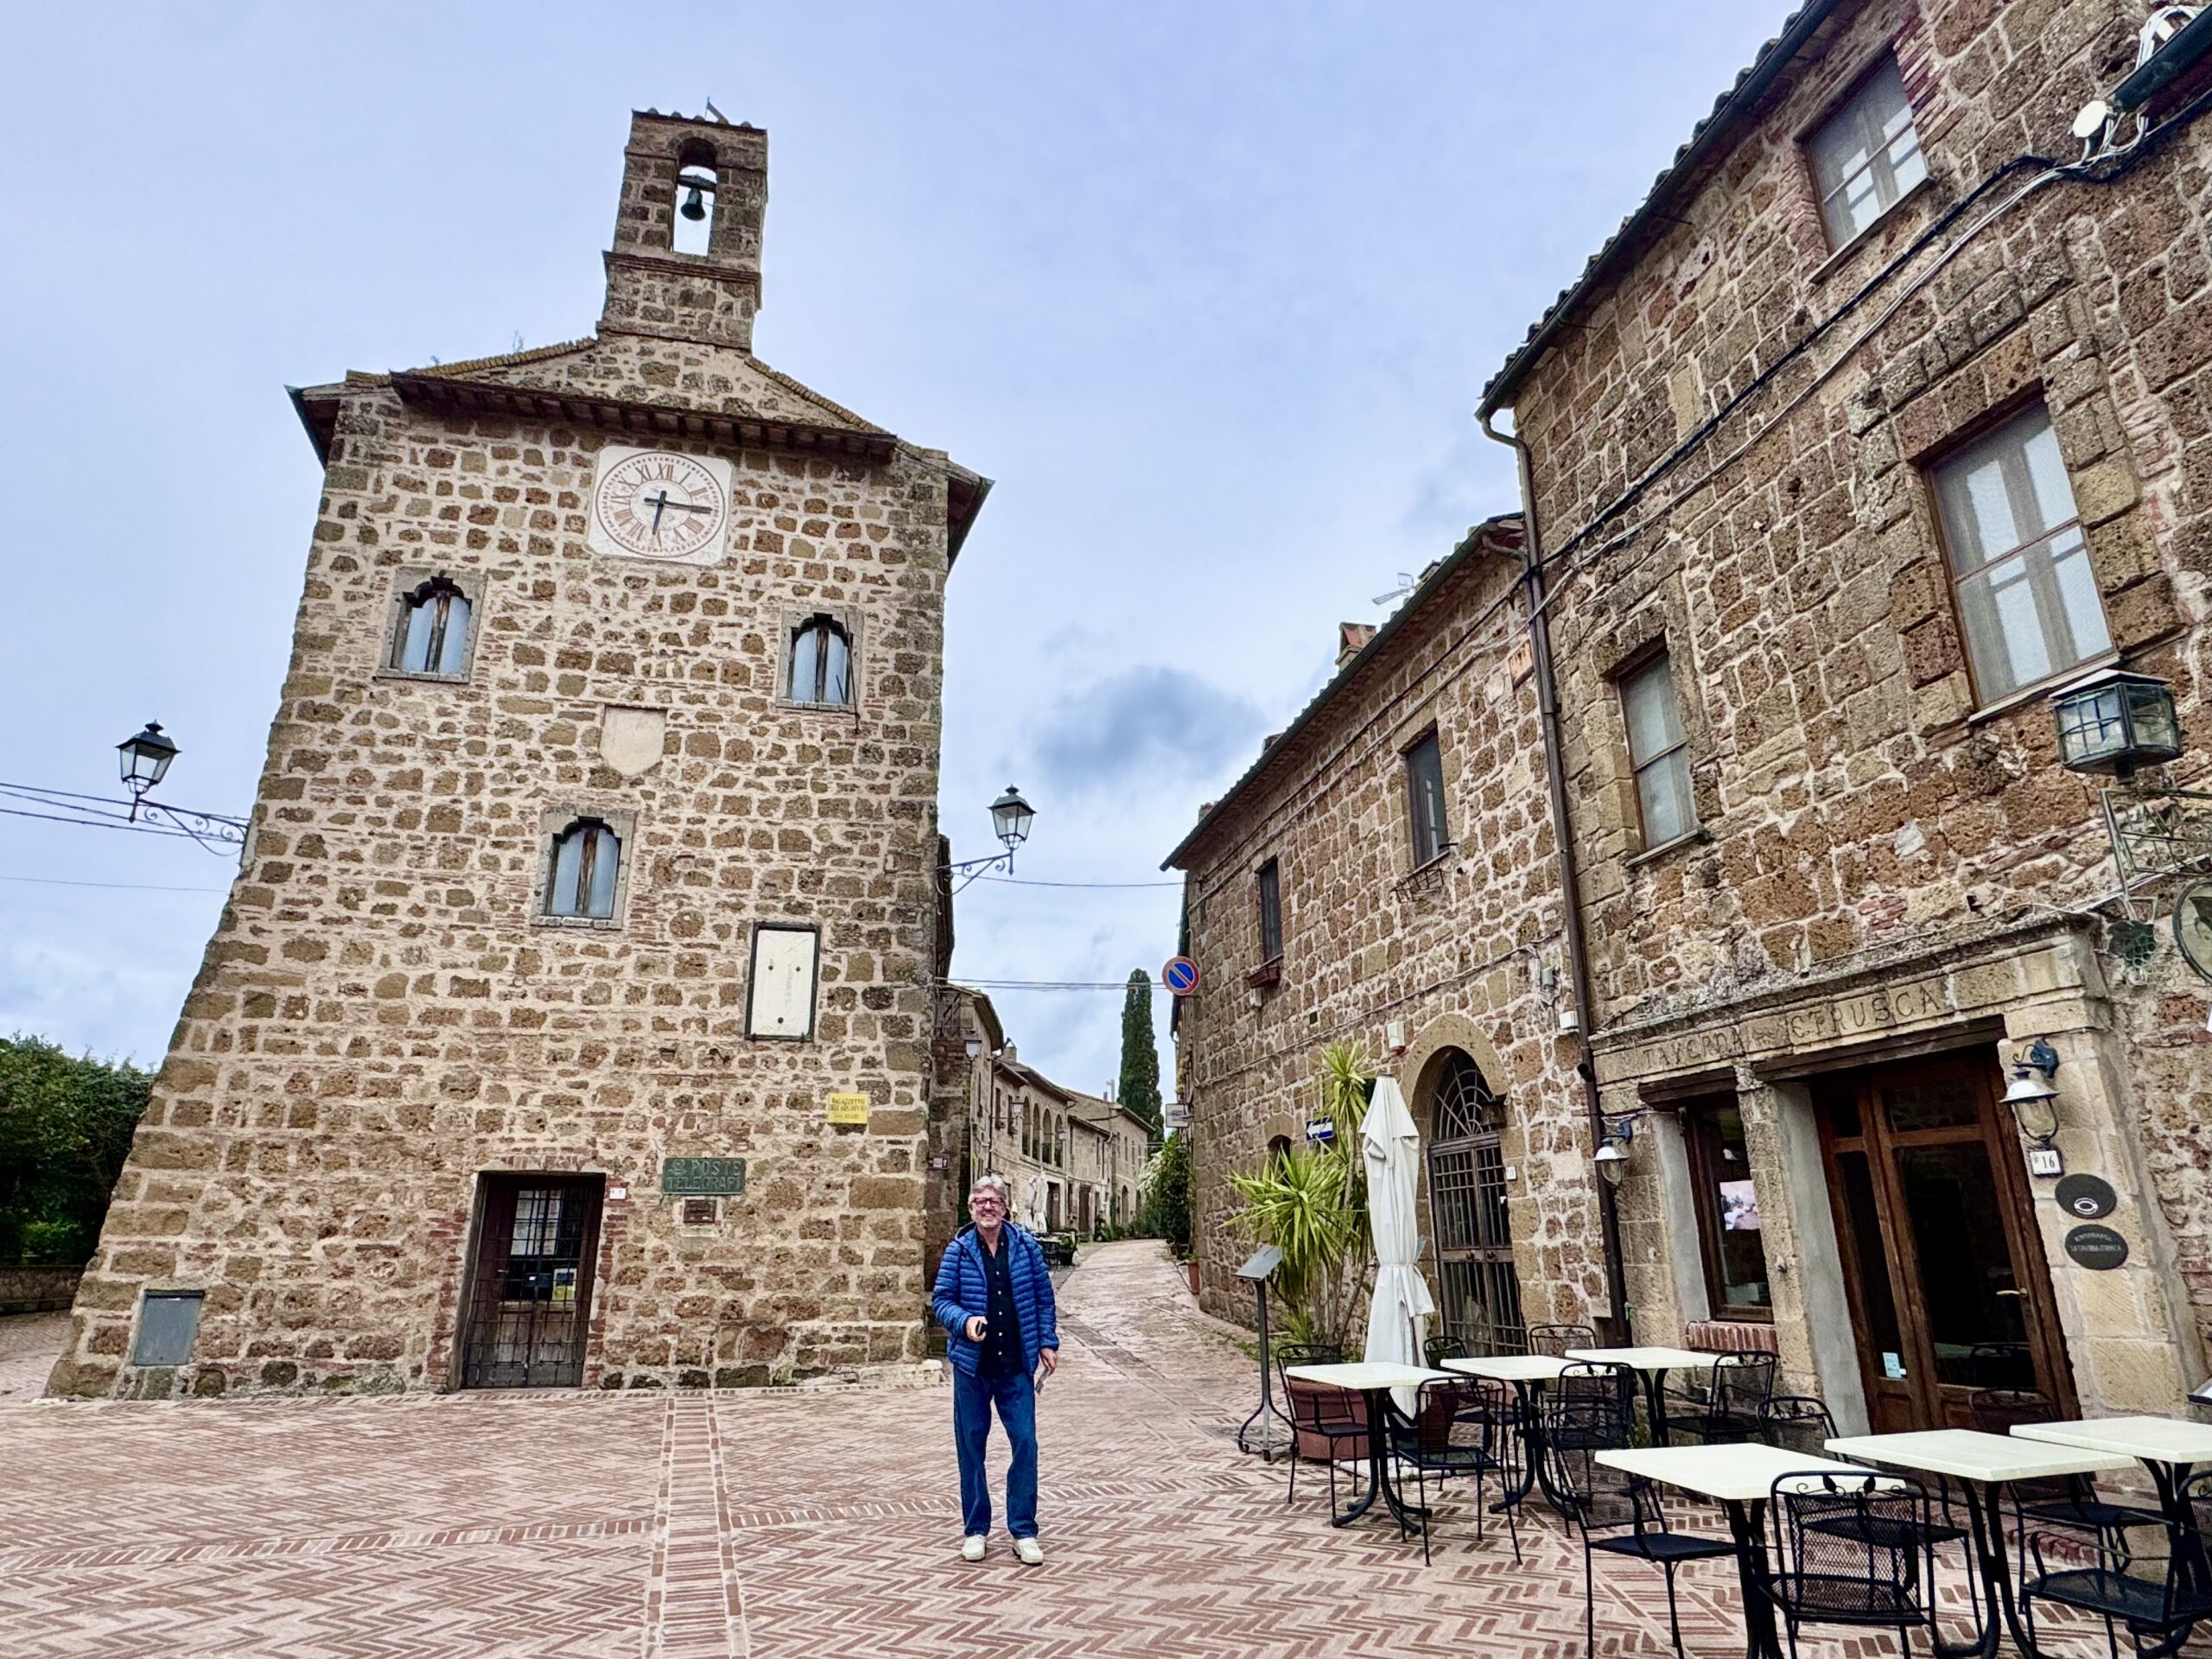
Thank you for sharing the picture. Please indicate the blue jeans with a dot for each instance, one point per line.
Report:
(1016, 1399)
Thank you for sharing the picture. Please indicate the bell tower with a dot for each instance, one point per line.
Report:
(686, 260)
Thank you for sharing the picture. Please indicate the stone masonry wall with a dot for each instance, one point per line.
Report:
(1456, 950)
(381, 1014)
(1854, 799)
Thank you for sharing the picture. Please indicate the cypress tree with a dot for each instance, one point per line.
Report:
(1140, 1089)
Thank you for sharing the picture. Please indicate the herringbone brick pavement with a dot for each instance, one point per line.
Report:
(815, 1525)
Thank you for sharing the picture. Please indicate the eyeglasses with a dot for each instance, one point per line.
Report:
(987, 1204)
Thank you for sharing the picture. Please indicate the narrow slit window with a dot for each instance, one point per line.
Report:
(2027, 594)
(1425, 800)
(1866, 155)
(432, 636)
(1270, 911)
(1658, 752)
(822, 664)
(692, 229)
(587, 858)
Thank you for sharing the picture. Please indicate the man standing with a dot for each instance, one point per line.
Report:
(994, 1298)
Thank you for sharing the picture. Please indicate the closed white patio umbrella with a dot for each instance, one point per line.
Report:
(1397, 1313)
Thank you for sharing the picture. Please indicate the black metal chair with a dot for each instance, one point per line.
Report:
(1437, 1350)
(1852, 1550)
(1610, 1510)
(2179, 1596)
(1585, 1382)
(1727, 1412)
(1287, 1354)
(1330, 1424)
(2067, 1501)
(1796, 1423)
(1458, 1429)
(1553, 1340)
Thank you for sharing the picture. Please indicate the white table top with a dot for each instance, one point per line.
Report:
(1362, 1376)
(1646, 1359)
(2148, 1440)
(1969, 1454)
(1739, 1474)
(1511, 1368)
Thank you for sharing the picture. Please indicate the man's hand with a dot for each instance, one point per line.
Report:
(1051, 1358)
(975, 1328)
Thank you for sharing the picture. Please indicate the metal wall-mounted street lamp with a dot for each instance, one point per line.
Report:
(2114, 721)
(1612, 1155)
(145, 761)
(2031, 1095)
(1011, 816)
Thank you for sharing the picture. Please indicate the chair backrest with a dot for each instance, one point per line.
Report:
(1317, 1409)
(1584, 1380)
(1437, 1350)
(1463, 1414)
(1995, 1411)
(1289, 1354)
(1553, 1340)
(1595, 1495)
(1871, 1530)
(1741, 1382)
(1796, 1423)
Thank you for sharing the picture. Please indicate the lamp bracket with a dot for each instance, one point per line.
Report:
(2156, 832)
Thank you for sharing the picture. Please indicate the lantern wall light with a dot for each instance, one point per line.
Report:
(2114, 721)
(1011, 816)
(2030, 1094)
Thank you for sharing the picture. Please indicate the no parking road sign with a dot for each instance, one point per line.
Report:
(1180, 975)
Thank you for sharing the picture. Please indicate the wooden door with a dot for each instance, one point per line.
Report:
(529, 1308)
(1949, 1293)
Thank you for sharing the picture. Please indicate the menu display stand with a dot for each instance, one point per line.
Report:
(1257, 1434)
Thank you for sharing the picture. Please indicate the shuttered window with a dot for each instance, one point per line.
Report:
(1659, 751)
(1425, 800)
(783, 982)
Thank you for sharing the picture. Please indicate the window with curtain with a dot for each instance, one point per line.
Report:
(586, 858)
(1658, 752)
(1425, 799)
(432, 636)
(2027, 595)
(822, 664)
(1866, 155)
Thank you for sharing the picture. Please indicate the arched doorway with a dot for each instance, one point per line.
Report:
(1479, 1295)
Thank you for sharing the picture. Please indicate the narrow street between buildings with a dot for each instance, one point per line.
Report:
(822, 1524)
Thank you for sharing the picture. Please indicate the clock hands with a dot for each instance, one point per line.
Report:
(661, 504)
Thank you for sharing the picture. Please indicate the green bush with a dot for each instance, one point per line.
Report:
(1165, 1192)
(64, 1130)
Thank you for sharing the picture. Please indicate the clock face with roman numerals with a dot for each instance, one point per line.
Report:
(656, 503)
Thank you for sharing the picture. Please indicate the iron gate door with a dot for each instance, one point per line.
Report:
(1479, 1293)
(530, 1296)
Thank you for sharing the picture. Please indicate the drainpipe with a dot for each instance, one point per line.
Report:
(1578, 955)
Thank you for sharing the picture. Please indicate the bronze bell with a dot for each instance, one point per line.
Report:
(695, 205)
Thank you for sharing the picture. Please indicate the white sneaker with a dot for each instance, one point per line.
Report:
(971, 1547)
(1028, 1552)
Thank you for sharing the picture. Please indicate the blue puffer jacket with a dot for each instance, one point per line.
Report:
(964, 1289)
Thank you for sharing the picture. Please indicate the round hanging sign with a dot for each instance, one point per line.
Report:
(2098, 1249)
(2193, 926)
(2086, 1195)
(1180, 975)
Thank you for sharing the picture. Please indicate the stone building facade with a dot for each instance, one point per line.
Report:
(594, 856)
(1868, 538)
(1110, 1156)
(1439, 960)
(1871, 428)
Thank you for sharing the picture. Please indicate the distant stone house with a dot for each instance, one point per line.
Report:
(1114, 1163)
(569, 1020)
(1868, 431)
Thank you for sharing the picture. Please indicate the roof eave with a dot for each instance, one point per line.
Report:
(1715, 134)
(1484, 535)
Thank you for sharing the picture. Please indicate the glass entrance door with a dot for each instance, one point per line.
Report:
(1478, 1292)
(529, 1295)
(1946, 1276)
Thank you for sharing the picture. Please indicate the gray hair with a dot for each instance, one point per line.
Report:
(997, 1184)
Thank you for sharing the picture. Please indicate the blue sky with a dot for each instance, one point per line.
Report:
(1210, 291)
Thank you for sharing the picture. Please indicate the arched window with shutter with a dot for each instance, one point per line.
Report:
(822, 664)
(432, 633)
(586, 864)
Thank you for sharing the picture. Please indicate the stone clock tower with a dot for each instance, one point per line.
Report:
(569, 1023)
